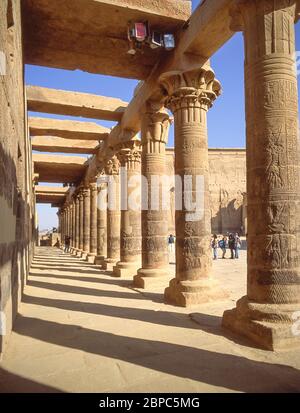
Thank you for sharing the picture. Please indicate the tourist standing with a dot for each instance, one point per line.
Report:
(237, 245)
(223, 245)
(214, 245)
(231, 244)
(171, 242)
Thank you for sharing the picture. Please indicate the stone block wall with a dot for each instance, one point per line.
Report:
(16, 200)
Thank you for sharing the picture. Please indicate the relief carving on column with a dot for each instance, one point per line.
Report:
(112, 166)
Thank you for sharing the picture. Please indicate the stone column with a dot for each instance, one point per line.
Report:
(71, 207)
(155, 257)
(130, 242)
(93, 225)
(101, 219)
(64, 228)
(74, 225)
(244, 214)
(68, 220)
(59, 221)
(80, 222)
(113, 214)
(86, 221)
(268, 313)
(77, 222)
(190, 95)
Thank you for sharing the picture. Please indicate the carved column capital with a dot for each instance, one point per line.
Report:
(129, 156)
(112, 166)
(194, 88)
(155, 124)
(101, 180)
(86, 192)
(93, 186)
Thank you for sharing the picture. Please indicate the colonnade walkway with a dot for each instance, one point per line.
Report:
(81, 330)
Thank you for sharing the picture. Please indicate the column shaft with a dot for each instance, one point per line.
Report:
(101, 220)
(77, 222)
(71, 224)
(130, 242)
(113, 214)
(74, 226)
(86, 221)
(93, 223)
(155, 257)
(81, 220)
(68, 220)
(64, 226)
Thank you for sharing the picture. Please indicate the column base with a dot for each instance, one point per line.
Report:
(84, 255)
(125, 269)
(99, 260)
(79, 253)
(192, 293)
(91, 258)
(149, 278)
(268, 326)
(108, 264)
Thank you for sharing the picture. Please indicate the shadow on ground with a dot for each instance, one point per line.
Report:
(217, 369)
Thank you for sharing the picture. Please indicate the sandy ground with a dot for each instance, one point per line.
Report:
(81, 330)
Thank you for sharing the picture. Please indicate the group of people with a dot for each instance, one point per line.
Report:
(229, 241)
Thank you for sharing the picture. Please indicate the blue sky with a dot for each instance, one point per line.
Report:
(226, 120)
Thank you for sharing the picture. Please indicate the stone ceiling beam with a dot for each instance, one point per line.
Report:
(61, 145)
(59, 168)
(91, 35)
(61, 102)
(67, 129)
(50, 195)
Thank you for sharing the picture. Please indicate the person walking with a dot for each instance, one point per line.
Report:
(223, 245)
(214, 245)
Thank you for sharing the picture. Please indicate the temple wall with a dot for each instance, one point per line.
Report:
(227, 184)
(16, 201)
